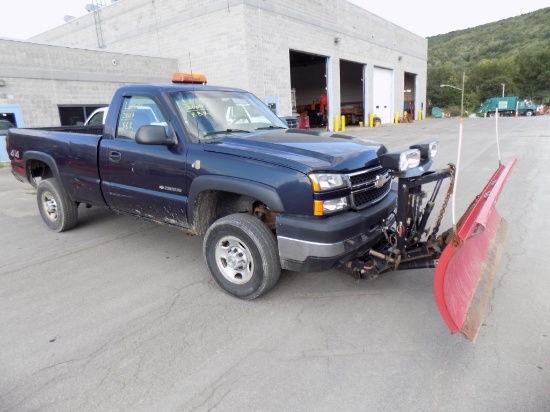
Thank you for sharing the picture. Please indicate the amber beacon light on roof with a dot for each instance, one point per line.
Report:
(189, 78)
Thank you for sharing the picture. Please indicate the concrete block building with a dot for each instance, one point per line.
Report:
(270, 47)
(50, 83)
(317, 57)
(45, 85)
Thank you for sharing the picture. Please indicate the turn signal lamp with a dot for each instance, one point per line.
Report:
(189, 78)
(326, 207)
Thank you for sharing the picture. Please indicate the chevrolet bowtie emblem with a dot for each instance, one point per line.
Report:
(380, 181)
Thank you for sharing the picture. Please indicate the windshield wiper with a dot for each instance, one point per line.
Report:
(226, 131)
(269, 127)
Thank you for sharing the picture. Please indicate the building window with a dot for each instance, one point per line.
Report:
(72, 115)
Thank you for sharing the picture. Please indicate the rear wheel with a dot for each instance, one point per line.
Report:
(529, 113)
(58, 211)
(241, 254)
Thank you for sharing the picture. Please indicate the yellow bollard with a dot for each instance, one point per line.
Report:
(420, 115)
(396, 117)
(343, 123)
(335, 123)
(360, 124)
(371, 120)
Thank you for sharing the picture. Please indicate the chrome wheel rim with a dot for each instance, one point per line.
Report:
(50, 206)
(234, 260)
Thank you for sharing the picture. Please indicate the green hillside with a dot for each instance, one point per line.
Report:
(514, 52)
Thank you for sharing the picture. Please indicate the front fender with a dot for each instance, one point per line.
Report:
(265, 194)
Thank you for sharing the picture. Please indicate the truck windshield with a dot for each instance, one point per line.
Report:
(213, 114)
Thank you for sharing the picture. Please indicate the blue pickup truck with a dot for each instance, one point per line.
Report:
(217, 162)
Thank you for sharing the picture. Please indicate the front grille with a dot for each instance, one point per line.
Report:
(369, 186)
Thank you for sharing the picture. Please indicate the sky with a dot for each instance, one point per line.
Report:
(22, 19)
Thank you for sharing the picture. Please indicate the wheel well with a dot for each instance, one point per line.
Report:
(37, 169)
(212, 205)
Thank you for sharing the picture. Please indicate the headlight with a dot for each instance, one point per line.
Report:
(322, 182)
(326, 207)
(400, 162)
(427, 150)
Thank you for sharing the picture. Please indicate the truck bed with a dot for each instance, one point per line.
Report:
(71, 152)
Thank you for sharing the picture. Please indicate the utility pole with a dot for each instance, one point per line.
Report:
(462, 92)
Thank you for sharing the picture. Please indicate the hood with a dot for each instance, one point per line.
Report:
(302, 150)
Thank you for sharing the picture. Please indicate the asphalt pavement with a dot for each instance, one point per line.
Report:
(120, 314)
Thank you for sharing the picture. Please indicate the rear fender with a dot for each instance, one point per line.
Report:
(30, 156)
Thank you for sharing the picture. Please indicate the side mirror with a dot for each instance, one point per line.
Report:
(153, 135)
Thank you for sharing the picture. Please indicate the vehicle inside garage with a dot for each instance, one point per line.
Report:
(352, 91)
(308, 80)
(409, 92)
(309, 88)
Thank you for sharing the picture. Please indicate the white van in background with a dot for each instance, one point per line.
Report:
(97, 117)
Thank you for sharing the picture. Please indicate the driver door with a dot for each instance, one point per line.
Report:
(145, 180)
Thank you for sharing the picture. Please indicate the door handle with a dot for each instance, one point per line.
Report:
(115, 156)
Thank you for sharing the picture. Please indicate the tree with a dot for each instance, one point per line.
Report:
(514, 52)
(533, 74)
(443, 96)
(487, 77)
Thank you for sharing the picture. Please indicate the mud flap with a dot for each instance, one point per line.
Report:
(466, 268)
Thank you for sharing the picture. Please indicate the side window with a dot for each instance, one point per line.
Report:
(137, 111)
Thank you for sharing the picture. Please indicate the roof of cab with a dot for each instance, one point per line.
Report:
(175, 88)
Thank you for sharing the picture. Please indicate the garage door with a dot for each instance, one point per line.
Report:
(382, 93)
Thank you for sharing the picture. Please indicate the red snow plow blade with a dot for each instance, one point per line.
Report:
(466, 268)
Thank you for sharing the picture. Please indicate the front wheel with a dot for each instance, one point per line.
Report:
(58, 211)
(529, 113)
(241, 254)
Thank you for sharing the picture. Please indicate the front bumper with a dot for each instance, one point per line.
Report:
(314, 244)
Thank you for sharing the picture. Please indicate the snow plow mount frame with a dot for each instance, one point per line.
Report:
(402, 247)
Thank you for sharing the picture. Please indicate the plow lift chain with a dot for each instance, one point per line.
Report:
(406, 243)
(433, 235)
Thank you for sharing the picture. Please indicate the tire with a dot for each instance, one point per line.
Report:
(58, 211)
(242, 256)
(528, 113)
(491, 114)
